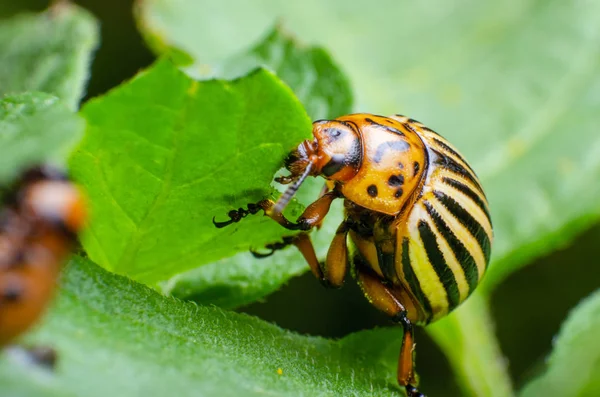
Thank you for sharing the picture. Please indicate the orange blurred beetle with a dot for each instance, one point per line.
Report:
(415, 211)
(39, 221)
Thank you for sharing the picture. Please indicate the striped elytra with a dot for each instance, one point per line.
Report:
(415, 214)
(440, 222)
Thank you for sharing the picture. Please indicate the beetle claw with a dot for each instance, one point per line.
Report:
(259, 255)
(222, 224)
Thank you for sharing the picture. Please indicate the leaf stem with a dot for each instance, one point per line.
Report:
(467, 338)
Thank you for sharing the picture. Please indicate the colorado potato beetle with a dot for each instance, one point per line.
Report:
(415, 211)
(39, 221)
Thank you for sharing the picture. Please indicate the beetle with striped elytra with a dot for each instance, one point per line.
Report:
(415, 212)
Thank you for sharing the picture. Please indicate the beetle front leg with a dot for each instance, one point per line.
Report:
(383, 298)
(336, 262)
(304, 244)
(253, 208)
(239, 214)
(312, 216)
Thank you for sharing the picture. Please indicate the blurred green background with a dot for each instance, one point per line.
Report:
(528, 307)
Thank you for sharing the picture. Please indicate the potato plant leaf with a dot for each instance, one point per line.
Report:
(50, 51)
(163, 154)
(311, 73)
(143, 343)
(35, 128)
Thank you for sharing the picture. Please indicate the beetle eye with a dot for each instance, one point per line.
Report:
(334, 133)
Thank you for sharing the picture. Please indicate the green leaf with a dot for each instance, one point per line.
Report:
(241, 279)
(163, 154)
(574, 365)
(318, 84)
(49, 52)
(311, 73)
(35, 128)
(503, 81)
(236, 281)
(146, 344)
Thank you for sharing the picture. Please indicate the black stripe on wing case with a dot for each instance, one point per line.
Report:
(412, 280)
(462, 254)
(450, 150)
(387, 263)
(466, 190)
(467, 221)
(450, 164)
(436, 259)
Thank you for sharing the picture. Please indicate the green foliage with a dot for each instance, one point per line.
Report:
(574, 365)
(34, 128)
(146, 344)
(48, 52)
(236, 281)
(309, 71)
(164, 154)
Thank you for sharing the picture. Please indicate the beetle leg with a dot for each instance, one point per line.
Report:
(285, 242)
(383, 298)
(312, 216)
(239, 214)
(336, 263)
(306, 248)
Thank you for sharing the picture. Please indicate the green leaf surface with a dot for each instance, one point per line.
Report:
(49, 52)
(163, 154)
(242, 279)
(311, 73)
(574, 365)
(512, 84)
(146, 344)
(236, 281)
(35, 128)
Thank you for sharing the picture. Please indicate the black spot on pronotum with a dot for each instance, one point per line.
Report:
(396, 180)
(416, 168)
(398, 193)
(372, 190)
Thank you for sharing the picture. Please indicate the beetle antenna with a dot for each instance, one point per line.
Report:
(285, 198)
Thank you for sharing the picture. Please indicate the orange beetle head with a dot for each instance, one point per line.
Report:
(335, 153)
